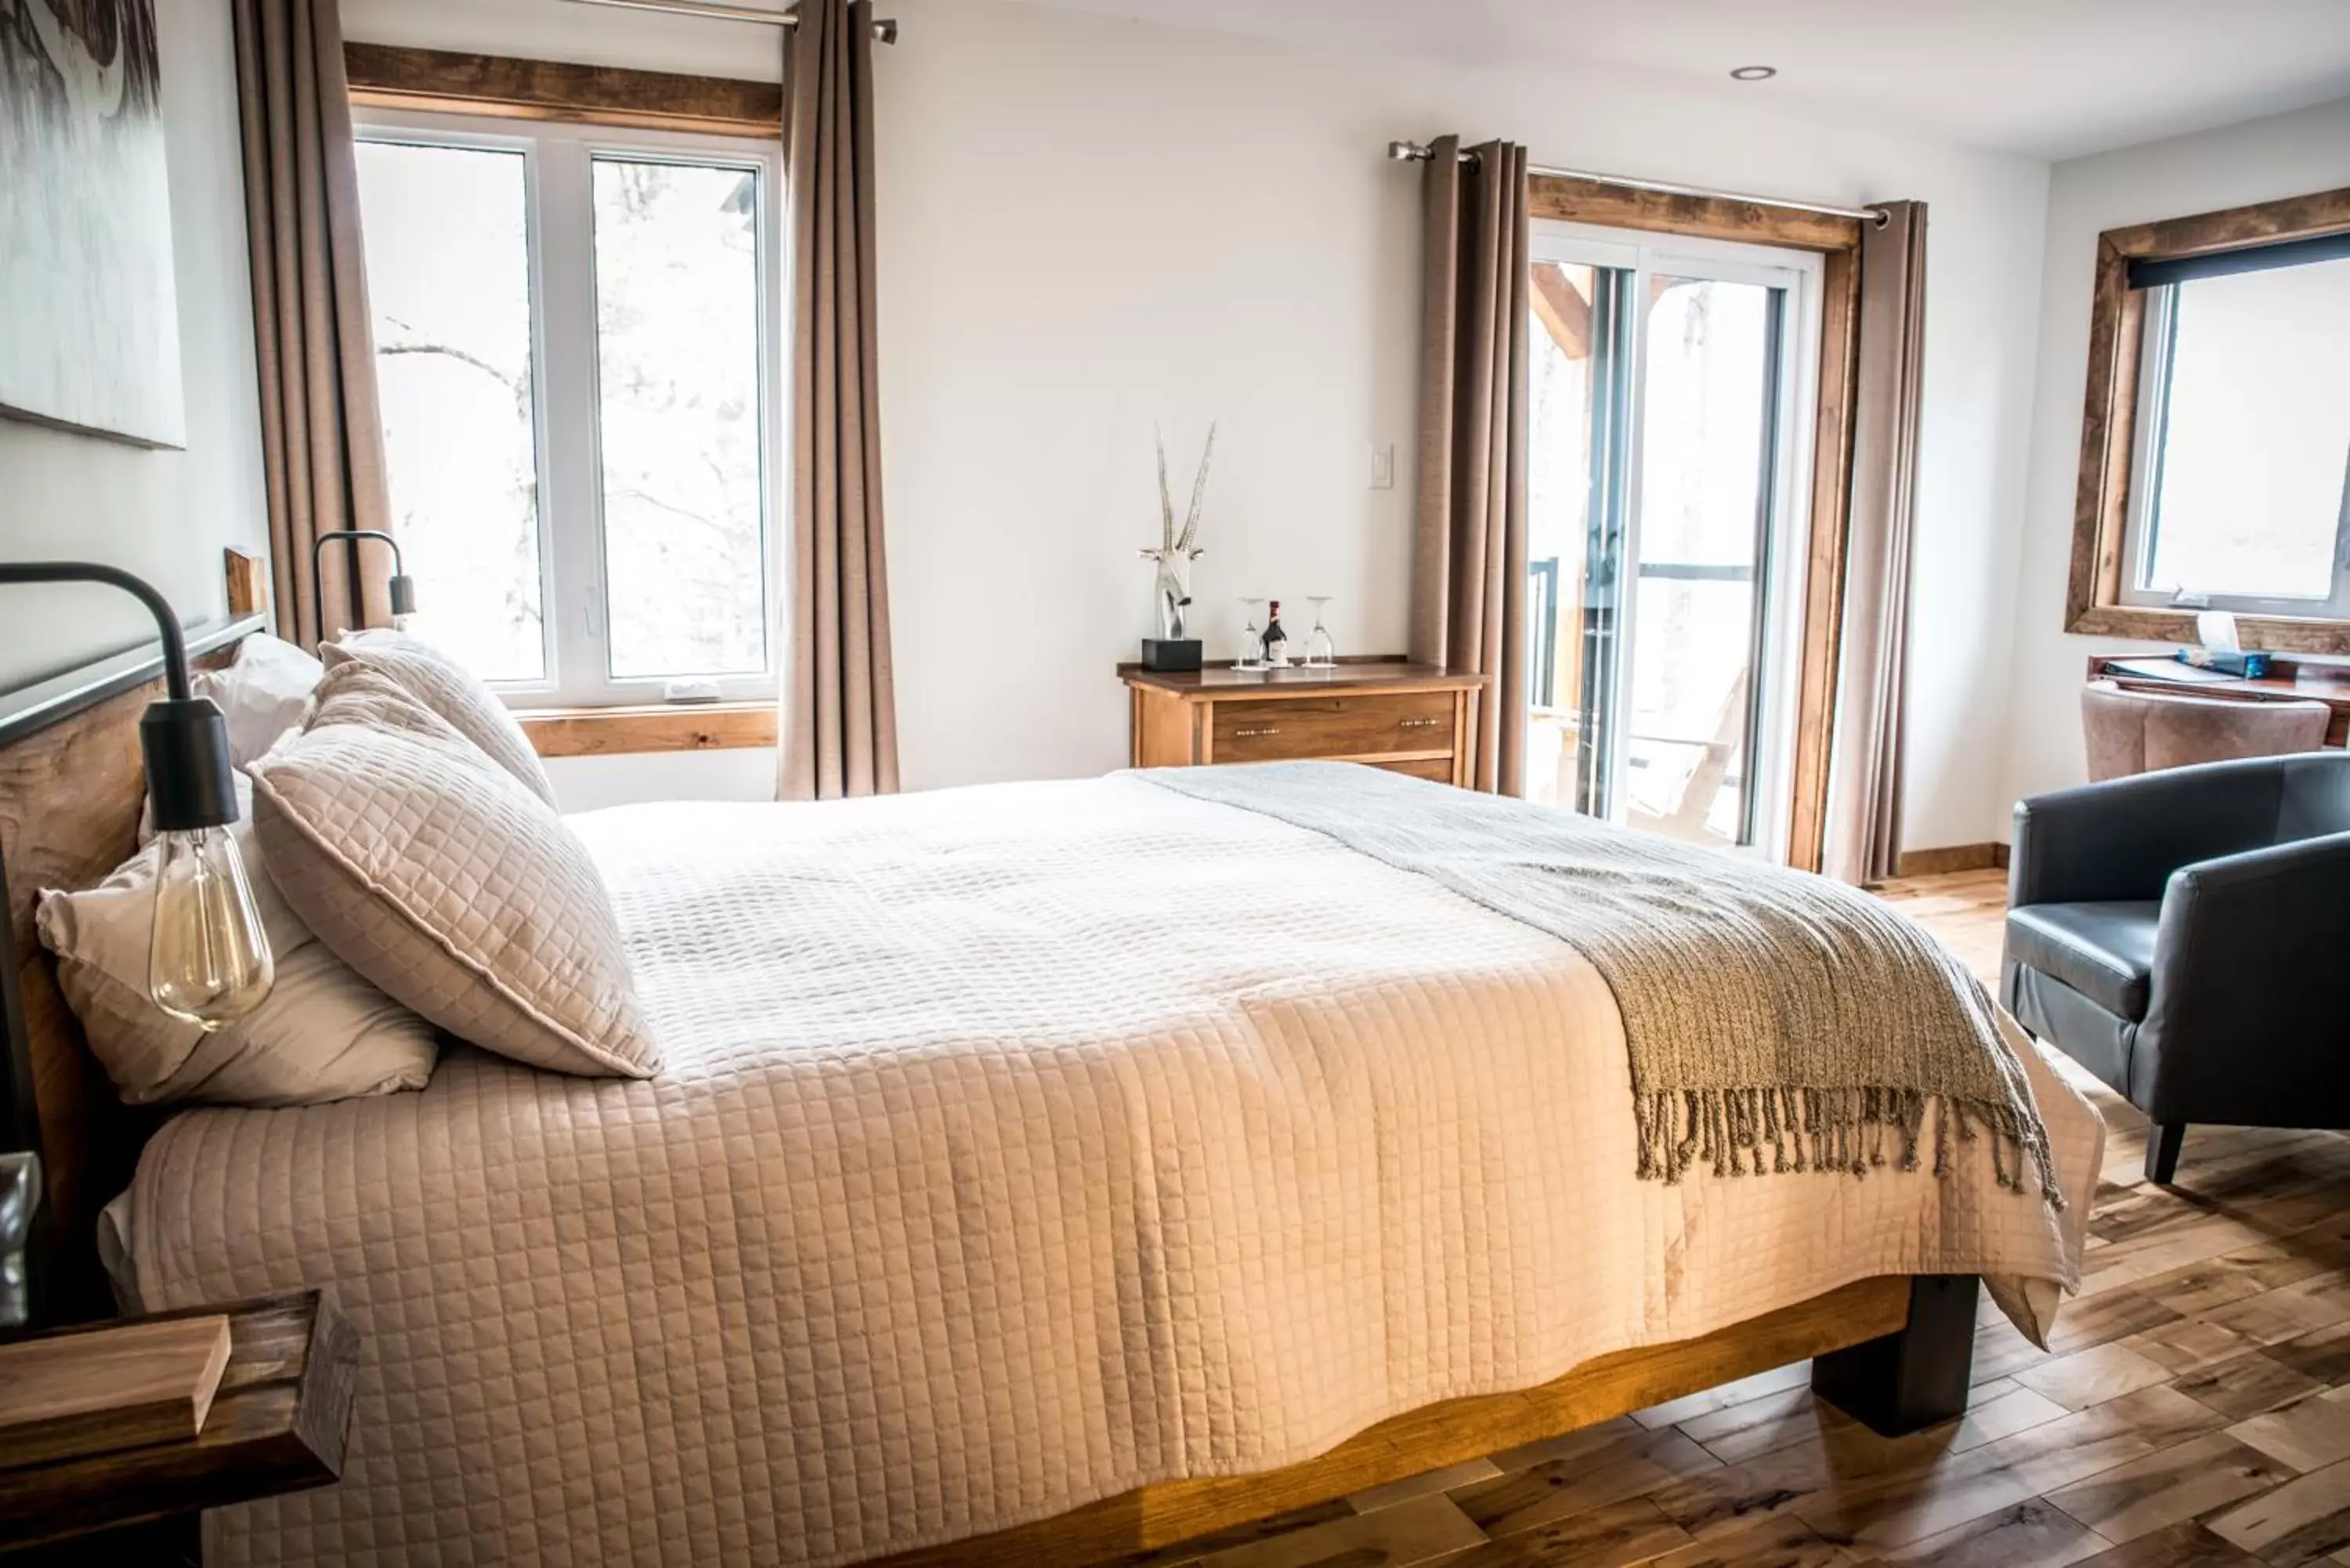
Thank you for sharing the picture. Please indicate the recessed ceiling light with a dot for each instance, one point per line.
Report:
(1754, 73)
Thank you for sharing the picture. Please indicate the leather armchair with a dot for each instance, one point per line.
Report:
(2185, 935)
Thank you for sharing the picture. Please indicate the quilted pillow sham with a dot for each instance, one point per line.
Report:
(447, 882)
(322, 1033)
(451, 690)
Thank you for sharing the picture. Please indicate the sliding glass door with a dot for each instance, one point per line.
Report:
(1669, 393)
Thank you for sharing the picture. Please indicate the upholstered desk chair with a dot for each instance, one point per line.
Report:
(2185, 935)
(2139, 732)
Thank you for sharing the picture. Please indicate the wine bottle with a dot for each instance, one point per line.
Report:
(1276, 641)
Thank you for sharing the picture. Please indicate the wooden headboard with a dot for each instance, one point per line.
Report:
(71, 791)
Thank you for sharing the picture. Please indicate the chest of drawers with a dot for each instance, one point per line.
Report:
(1412, 718)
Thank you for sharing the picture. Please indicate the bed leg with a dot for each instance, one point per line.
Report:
(1915, 1376)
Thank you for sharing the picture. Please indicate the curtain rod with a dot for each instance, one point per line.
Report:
(885, 28)
(1420, 152)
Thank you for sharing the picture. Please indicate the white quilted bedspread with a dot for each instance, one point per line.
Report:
(1018, 1146)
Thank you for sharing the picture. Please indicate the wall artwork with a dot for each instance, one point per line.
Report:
(89, 329)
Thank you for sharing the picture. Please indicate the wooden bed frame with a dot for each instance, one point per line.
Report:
(1894, 1352)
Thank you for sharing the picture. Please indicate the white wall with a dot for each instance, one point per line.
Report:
(1089, 225)
(2287, 155)
(163, 514)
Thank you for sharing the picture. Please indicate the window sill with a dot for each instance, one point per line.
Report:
(2268, 634)
(655, 727)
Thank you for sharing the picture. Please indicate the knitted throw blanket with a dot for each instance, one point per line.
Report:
(1776, 1021)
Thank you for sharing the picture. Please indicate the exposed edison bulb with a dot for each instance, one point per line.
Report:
(209, 962)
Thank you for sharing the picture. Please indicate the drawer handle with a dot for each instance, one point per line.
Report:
(1262, 729)
(1420, 723)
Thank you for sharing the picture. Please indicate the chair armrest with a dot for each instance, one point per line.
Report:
(2123, 838)
(2251, 989)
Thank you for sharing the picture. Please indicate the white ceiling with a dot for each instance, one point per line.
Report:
(2055, 78)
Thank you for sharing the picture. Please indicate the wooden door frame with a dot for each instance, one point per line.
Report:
(1837, 242)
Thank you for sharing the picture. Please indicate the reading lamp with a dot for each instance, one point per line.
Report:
(209, 961)
(403, 587)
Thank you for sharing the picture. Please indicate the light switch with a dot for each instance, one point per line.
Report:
(1382, 465)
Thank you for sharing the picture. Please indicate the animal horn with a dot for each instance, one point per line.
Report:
(1166, 502)
(1199, 489)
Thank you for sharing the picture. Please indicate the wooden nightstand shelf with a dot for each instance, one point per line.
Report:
(1410, 718)
(278, 1424)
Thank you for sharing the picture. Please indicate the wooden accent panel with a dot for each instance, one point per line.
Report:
(2109, 420)
(1950, 858)
(72, 837)
(1821, 637)
(1349, 726)
(385, 76)
(248, 588)
(661, 727)
(128, 1386)
(1440, 1435)
(1576, 201)
(279, 1424)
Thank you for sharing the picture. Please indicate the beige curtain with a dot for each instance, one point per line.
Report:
(1469, 543)
(321, 433)
(1864, 821)
(839, 723)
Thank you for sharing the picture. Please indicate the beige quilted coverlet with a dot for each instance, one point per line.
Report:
(1018, 1146)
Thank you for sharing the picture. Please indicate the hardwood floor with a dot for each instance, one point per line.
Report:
(2193, 1408)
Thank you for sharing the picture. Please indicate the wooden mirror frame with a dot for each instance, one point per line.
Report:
(2093, 602)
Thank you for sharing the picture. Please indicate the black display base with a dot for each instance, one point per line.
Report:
(1915, 1377)
(1164, 654)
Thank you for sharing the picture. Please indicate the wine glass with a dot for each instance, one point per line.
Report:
(1321, 653)
(1252, 641)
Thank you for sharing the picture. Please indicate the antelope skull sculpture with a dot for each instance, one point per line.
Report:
(1176, 551)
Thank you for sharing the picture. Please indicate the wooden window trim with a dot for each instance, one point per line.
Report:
(2101, 498)
(659, 727)
(383, 75)
(1837, 240)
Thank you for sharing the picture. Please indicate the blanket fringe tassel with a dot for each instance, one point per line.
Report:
(1737, 1131)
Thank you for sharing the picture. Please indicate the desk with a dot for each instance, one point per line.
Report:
(2290, 681)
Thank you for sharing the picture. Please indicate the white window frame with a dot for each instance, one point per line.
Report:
(560, 199)
(1799, 273)
(2142, 522)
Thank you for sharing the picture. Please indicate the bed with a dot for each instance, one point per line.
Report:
(1038, 1172)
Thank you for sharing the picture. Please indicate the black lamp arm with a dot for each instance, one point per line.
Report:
(182, 736)
(167, 622)
(318, 555)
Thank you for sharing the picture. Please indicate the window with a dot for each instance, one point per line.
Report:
(576, 351)
(2240, 484)
(2215, 443)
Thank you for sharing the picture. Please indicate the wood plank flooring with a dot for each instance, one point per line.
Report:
(2193, 1410)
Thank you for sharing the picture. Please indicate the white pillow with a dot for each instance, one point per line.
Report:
(451, 690)
(322, 1033)
(264, 694)
(442, 879)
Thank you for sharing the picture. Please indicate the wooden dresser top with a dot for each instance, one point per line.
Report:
(1220, 682)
